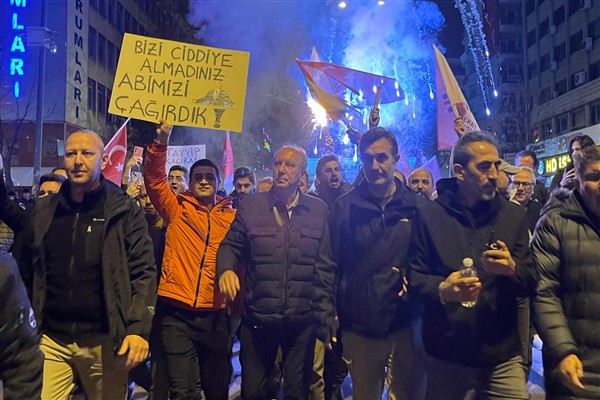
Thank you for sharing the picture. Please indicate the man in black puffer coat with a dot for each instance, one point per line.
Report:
(566, 249)
(277, 235)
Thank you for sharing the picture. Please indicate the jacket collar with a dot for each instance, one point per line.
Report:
(483, 213)
(302, 199)
(403, 196)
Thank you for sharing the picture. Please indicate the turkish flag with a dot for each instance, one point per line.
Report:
(116, 150)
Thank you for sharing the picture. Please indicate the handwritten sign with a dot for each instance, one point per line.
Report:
(183, 83)
(185, 155)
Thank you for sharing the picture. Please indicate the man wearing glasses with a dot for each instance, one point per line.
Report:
(523, 185)
(177, 178)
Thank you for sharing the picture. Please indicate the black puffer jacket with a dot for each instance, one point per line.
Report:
(566, 249)
(445, 234)
(279, 260)
(21, 360)
(367, 242)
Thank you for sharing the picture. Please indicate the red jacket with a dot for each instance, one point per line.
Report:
(194, 234)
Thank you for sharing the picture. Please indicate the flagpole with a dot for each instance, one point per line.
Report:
(115, 135)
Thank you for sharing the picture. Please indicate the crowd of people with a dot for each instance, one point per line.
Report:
(431, 291)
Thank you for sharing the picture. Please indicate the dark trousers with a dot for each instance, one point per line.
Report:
(196, 343)
(257, 355)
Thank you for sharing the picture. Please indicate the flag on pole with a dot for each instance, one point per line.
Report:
(451, 103)
(116, 149)
(227, 165)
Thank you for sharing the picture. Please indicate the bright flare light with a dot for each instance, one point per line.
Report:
(346, 139)
(495, 93)
(342, 4)
(319, 114)
(380, 2)
(487, 111)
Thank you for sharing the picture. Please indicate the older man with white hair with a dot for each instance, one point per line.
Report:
(523, 185)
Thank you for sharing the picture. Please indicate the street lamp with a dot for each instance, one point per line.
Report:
(42, 37)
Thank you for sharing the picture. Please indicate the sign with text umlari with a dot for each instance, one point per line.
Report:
(182, 83)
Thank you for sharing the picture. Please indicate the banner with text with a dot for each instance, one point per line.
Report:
(185, 155)
(183, 83)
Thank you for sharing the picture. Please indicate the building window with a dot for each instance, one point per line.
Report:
(530, 38)
(561, 87)
(578, 119)
(134, 26)
(510, 14)
(545, 62)
(93, 43)
(102, 7)
(91, 94)
(595, 111)
(532, 70)
(110, 56)
(575, 42)
(560, 52)
(545, 95)
(511, 71)
(595, 70)
(561, 123)
(126, 21)
(110, 11)
(594, 28)
(109, 117)
(119, 17)
(101, 99)
(546, 128)
(94, 4)
(544, 27)
(558, 16)
(510, 43)
(574, 5)
(101, 49)
(530, 7)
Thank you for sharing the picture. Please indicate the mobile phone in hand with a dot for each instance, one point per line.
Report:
(137, 175)
(138, 151)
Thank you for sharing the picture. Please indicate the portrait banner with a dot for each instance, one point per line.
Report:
(185, 84)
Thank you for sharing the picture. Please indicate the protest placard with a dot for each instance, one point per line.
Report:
(182, 83)
(185, 155)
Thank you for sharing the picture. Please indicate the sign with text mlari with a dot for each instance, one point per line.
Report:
(182, 83)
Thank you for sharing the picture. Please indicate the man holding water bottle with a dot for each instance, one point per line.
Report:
(469, 265)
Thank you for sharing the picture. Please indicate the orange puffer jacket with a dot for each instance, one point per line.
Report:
(193, 237)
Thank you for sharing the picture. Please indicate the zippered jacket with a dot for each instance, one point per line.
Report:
(566, 250)
(279, 260)
(194, 234)
(128, 266)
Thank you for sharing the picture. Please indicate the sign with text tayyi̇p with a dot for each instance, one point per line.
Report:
(182, 83)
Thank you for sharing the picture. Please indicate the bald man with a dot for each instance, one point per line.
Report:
(420, 181)
(94, 286)
(276, 234)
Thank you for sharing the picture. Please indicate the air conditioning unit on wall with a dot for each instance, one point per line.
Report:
(552, 29)
(553, 65)
(586, 4)
(580, 78)
(587, 44)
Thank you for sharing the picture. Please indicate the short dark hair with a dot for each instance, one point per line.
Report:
(205, 162)
(373, 135)
(585, 157)
(244, 172)
(56, 169)
(461, 155)
(526, 153)
(177, 167)
(26, 190)
(324, 160)
(52, 178)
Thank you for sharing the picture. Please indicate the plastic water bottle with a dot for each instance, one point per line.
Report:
(467, 271)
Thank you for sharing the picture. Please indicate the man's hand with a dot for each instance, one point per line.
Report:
(135, 188)
(229, 285)
(404, 289)
(353, 135)
(133, 351)
(459, 126)
(568, 177)
(163, 132)
(459, 290)
(133, 161)
(570, 371)
(499, 261)
(374, 118)
(327, 332)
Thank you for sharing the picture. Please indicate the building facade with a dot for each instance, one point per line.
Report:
(83, 40)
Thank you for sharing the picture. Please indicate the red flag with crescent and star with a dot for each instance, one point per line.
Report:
(116, 150)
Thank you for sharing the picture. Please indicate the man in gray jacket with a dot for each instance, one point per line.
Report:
(566, 247)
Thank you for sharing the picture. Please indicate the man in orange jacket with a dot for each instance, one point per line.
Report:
(192, 313)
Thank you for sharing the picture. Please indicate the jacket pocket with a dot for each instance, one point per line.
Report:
(309, 241)
(263, 240)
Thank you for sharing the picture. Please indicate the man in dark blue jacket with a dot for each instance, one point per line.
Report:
(276, 235)
(370, 229)
(472, 346)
